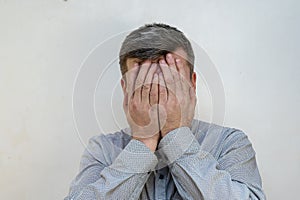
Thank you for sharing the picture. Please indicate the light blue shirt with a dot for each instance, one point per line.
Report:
(205, 161)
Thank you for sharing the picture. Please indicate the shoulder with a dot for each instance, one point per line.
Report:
(202, 129)
(119, 139)
(218, 139)
(105, 148)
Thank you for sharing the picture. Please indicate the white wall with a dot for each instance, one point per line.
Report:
(254, 45)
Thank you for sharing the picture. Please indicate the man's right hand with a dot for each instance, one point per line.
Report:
(141, 103)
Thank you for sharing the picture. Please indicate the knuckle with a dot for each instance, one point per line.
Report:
(169, 79)
(162, 89)
(139, 81)
(153, 93)
(174, 73)
(146, 87)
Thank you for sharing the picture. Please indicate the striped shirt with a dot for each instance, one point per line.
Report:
(206, 161)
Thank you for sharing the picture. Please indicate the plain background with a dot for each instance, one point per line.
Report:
(254, 45)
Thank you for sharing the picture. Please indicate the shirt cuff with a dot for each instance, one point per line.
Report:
(135, 158)
(174, 145)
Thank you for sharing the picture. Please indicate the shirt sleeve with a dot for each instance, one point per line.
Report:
(198, 175)
(123, 178)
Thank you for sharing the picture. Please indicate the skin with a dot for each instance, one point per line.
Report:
(159, 96)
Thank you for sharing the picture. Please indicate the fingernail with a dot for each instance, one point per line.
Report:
(177, 60)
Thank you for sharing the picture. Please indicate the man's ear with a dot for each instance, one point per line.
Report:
(123, 84)
(194, 79)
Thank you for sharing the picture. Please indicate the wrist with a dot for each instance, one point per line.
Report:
(164, 132)
(151, 143)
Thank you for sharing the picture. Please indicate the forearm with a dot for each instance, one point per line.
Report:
(112, 185)
(205, 180)
(123, 179)
(197, 174)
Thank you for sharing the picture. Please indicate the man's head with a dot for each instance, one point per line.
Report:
(159, 81)
(153, 41)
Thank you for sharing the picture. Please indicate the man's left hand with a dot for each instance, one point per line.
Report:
(176, 94)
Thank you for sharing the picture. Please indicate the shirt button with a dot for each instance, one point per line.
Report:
(161, 176)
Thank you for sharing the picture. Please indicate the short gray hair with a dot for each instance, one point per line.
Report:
(152, 41)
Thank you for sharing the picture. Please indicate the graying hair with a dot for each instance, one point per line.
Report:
(152, 41)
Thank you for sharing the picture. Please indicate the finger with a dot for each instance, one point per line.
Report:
(181, 66)
(163, 96)
(172, 66)
(140, 80)
(147, 84)
(158, 70)
(130, 79)
(171, 62)
(183, 78)
(167, 76)
(176, 76)
(154, 90)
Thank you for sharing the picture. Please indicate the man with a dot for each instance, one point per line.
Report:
(165, 154)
